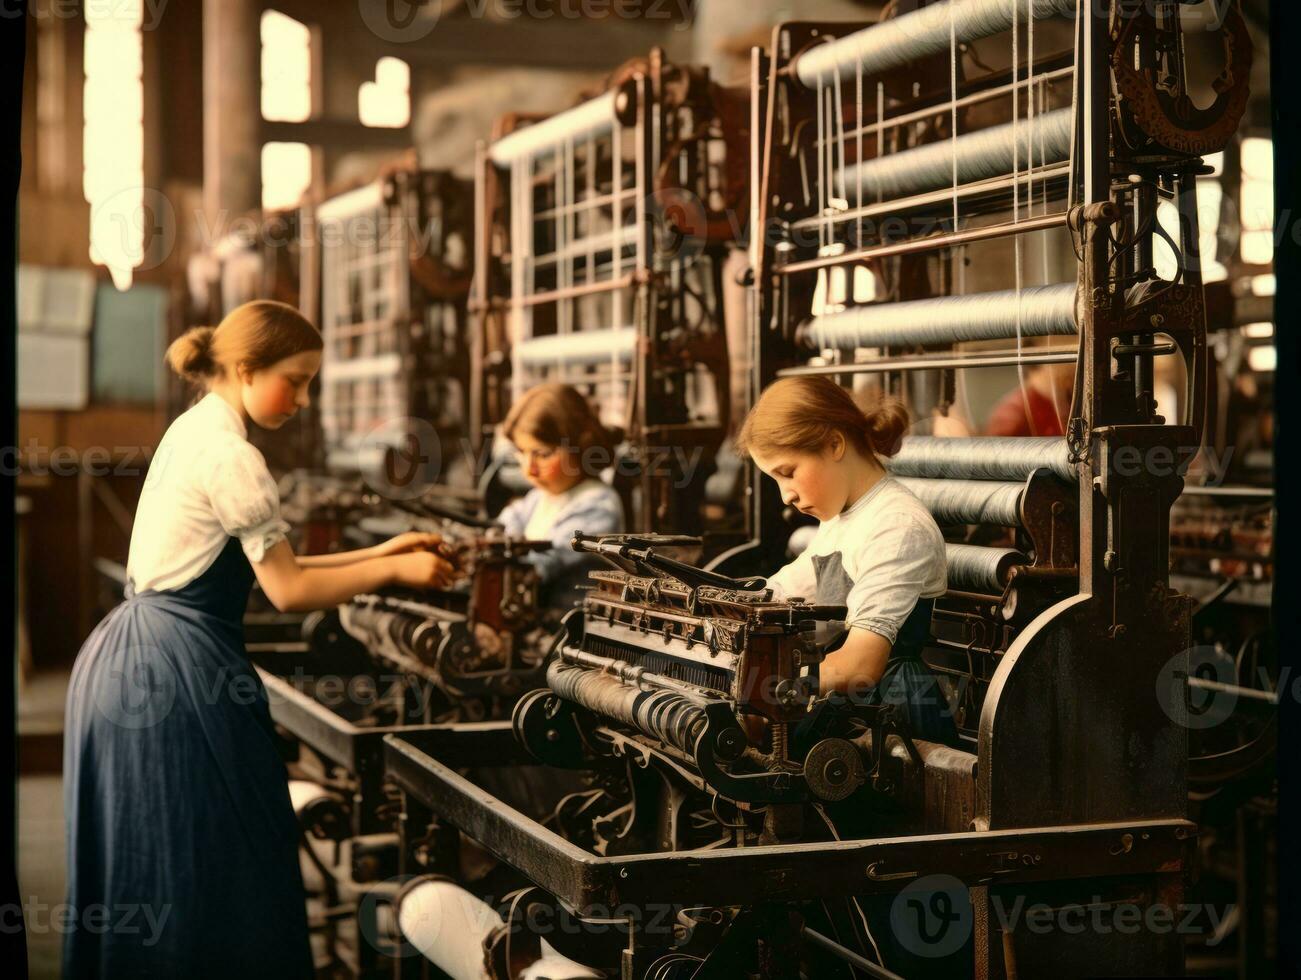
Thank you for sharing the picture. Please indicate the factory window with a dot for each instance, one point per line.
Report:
(1263, 360)
(286, 68)
(1257, 201)
(286, 174)
(387, 100)
(114, 137)
(1264, 285)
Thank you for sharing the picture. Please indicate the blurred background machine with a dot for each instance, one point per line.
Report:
(602, 232)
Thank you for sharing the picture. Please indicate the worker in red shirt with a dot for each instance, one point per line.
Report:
(1037, 408)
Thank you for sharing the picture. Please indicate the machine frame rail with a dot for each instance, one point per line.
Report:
(424, 766)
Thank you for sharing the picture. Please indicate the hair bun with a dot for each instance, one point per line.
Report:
(887, 421)
(190, 354)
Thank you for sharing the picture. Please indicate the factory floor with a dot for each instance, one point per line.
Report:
(42, 871)
(42, 858)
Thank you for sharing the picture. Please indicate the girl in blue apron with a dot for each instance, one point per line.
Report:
(877, 550)
(176, 799)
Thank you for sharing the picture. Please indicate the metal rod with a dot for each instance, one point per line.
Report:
(927, 244)
(588, 347)
(631, 674)
(1206, 491)
(1206, 684)
(569, 292)
(848, 955)
(595, 115)
(923, 362)
(943, 197)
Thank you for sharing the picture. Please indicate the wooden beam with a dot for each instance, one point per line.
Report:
(345, 133)
(454, 39)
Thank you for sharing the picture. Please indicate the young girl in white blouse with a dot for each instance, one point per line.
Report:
(562, 448)
(877, 549)
(176, 799)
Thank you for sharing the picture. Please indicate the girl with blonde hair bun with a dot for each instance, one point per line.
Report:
(877, 550)
(176, 798)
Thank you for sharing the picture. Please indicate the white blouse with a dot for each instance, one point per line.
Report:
(878, 557)
(206, 484)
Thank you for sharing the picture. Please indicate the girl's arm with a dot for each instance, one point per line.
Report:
(896, 566)
(293, 588)
(858, 664)
(335, 559)
(795, 578)
(410, 541)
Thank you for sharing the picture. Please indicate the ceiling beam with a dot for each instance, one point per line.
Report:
(345, 133)
(458, 39)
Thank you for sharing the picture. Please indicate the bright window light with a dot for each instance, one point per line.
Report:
(286, 68)
(1264, 285)
(1257, 201)
(1263, 359)
(1210, 195)
(114, 137)
(286, 174)
(386, 102)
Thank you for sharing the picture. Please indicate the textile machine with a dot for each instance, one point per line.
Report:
(932, 196)
(599, 245)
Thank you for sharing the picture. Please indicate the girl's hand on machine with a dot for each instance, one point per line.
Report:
(487, 639)
(410, 541)
(421, 569)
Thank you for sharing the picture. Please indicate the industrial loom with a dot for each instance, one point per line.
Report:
(893, 165)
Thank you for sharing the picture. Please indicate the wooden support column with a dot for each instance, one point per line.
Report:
(232, 116)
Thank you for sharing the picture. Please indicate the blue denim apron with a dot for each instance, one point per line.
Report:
(176, 799)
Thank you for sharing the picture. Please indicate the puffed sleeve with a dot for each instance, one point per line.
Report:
(796, 578)
(244, 496)
(894, 567)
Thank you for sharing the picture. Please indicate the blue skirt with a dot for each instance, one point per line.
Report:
(182, 843)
